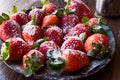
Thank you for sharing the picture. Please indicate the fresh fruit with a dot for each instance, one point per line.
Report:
(33, 61)
(97, 45)
(80, 8)
(68, 60)
(31, 32)
(48, 6)
(55, 34)
(9, 29)
(68, 21)
(77, 30)
(20, 17)
(39, 15)
(74, 43)
(14, 49)
(93, 22)
(50, 20)
(46, 46)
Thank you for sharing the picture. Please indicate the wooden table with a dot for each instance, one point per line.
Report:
(110, 72)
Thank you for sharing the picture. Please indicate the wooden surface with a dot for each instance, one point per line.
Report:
(110, 72)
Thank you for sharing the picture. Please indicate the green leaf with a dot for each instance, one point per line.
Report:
(98, 51)
(34, 20)
(24, 10)
(33, 63)
(85, 20)
(98, 29)
(59, 12)
(5, 51)
(43, 2)
(55, 61)
(82, 36)
(27, 72)
(101, 21)
(1, 19)
(5, 16)
(14, 10)
(40, 41)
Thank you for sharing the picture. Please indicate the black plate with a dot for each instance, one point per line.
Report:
(94, 66)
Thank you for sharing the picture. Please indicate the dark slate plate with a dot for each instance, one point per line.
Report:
(94, 66)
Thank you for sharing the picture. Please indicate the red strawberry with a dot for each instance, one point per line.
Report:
(93, 22)
(33, 61)
(77, 30)
(68, 21)
(55, 34)
(70, 60)
(50, 20)
(9, 29)
(73, 43)
(50, 7)
(46, 46)
(39, 15)
(81, 9)
(96, 45)
(32, 33)
(20, 17)
(14, 49)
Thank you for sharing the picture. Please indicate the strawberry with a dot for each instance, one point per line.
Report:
(68, 21)
(14, 49)
(9, 29)
(39, 15)
(73, 43)
(77, 30)
(81, 8)
(50, 20)
(68, 60)
(97, 45)
(55, 34)
(33, 61)
(20, 17)
(46, 46)
(48, 6)
(93, 21)
(31, 32)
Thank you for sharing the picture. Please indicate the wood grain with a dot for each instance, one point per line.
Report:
(110, 72)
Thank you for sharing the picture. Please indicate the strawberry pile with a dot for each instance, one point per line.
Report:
(64, 39)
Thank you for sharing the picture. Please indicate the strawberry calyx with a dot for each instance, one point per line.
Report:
(5, 51)
(4, 17)
(99, 29)
(34, 20)
(40, 41)
(98, 51)
(32, 64)
(55, 61)
(59, 12)
(15, 10)
(44, 2)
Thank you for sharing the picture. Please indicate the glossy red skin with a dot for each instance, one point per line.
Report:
(38, 54)
(74, 60)
(50, 20)
(95, 38)
(21, 18)
(49, 8)
(73, 43)
(32, 33)
(77, 30)
(46, 46)
(39, 15)
(81, 9)
(9, 29)
(55, 34)
(68, 22)
(18, 48)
